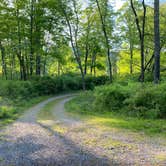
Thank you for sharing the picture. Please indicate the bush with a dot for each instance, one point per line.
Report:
(71, 82)
(17, 89)
(134, 99)
(110, 97)
(149, 101)
(6, 112)
(47, 85)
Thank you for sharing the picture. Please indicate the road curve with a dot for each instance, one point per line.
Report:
(28, 143)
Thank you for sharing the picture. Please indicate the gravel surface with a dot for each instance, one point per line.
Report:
(30, 143)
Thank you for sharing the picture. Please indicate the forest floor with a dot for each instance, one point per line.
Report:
(48, 136)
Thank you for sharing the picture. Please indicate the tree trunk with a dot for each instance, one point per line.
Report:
(156, 42)
(4, 70)
(31, 37)
(19, 52)
(141, 32)
(12, 66)
(107, 41)
(38, 60)
(44, 64)
(86, 59)
(131, 57)
(75, 48)
(87, 48)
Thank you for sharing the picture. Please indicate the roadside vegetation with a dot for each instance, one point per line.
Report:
(17, 96)
(132, 106)
(112, 52)
(11, 109)
(49, 47)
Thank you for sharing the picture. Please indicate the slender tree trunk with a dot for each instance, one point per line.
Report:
(27, 66)
(38, 56)
(142, 62)
(141, 31)
(142, 43)
(12, 66)
(87, 47)
(93, 63)
(75, 49)
(131, 58)
(38, 60)
(31, 37)
(24, 69)
(4, 70)
(106, 39)
(19, 52)
(156, 42)
(44, 64)
(94, 68)
(91, 66)
(86, 59)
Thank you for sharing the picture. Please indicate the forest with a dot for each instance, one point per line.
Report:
(89, 76)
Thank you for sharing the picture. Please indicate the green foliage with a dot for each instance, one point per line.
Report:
(16, 93)
(6, 112)
(82, 104)
(47, 85)
(133, 99)
(70, 82)
(148, 102)
(10, 108)
(17, 89)
(81, 107)
(110, 97)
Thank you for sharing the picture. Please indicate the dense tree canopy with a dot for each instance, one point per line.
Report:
(47, 37)
(99, 66)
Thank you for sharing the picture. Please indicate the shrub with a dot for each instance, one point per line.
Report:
(110, 97)
(47, 85)
(101, 80)
(71, 82)
(6, 112)
(141, 100)
(17, 89)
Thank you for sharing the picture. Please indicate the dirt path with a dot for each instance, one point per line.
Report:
(27, 143)
(66, 141)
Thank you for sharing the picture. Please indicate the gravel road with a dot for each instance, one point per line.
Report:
(30, 143)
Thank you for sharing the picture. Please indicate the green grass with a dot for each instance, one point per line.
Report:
(13, 109)
(46, 111)
(47, 118)
(82, 106)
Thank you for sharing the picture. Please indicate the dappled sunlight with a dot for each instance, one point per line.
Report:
(112, 135)
(161, 156)
(31, 143)
(82, 83)
(47, 122)
(60, 138)
(112, 122)
(104, 121)
(59, 129)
